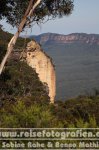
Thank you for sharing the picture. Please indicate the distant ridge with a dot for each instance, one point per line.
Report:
(76, 59)
(50, 38)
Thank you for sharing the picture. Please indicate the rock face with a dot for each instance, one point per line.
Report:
(71, 38)
(37, 59)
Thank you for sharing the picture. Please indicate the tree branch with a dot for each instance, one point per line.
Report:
(29, 12)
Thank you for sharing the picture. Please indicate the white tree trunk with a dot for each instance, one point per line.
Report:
(12, 42)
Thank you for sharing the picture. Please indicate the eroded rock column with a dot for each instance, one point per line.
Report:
(43, 65)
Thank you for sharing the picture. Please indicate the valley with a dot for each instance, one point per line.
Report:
(76, 63)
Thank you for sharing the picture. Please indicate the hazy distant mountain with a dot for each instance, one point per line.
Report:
(76, 58)
(52, 38)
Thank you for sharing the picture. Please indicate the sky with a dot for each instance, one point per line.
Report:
(84, 19)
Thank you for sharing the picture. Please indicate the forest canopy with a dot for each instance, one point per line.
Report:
(13, 10)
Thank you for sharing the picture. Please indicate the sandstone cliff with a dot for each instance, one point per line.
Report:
(37, 59)
(71, 38)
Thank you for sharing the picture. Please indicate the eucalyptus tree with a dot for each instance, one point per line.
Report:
(22, 14)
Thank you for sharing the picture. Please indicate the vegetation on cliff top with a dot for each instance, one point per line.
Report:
(25, 103)
(4, 40)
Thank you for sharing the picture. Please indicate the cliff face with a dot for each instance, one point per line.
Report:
(43, 65)
(71, 38)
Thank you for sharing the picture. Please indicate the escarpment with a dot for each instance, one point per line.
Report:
(38, 60)
(67, 39)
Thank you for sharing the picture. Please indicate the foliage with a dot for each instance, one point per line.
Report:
(5, 7)
(26, 113)
(25, 103)
(33, 115)
(4, 40)
(19, 80)
(50, 9)
(78, 111)
(29, 105)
